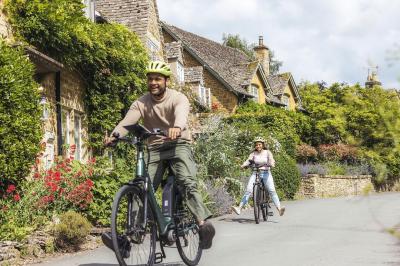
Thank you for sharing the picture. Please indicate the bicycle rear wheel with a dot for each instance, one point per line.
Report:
(187, 237)
(256, 202)
(134, 240)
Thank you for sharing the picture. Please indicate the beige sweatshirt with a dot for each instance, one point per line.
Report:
(263, 158)
(170, 111)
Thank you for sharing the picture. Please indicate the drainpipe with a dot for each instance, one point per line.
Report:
(58, 112)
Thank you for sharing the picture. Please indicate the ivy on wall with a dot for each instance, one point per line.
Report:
(20, 126)
(111, 59)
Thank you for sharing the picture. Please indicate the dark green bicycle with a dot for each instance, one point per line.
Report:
(138, 222)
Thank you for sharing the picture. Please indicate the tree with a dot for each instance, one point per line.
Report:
(235, 41)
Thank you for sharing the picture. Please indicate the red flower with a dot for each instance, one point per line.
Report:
(17, 197)
(10, 188)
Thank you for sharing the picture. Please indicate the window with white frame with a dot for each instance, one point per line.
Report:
(65, 124)
(154, 49)
(77, 136)
(205, 96)
(181, 72)
(89, 9)
(254, 92)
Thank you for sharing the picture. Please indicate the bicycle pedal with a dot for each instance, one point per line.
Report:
(270, 213)
(158, 257)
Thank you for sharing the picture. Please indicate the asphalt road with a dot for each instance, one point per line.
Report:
(336, 231)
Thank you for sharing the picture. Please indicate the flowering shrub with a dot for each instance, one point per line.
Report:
(66, 185)
(306, 153)
(338, 152)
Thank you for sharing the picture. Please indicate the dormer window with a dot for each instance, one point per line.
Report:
(286, 102)
(89, 9)
(254, 91)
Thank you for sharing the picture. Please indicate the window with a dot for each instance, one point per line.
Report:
(205, 96)
(254, 92)
(77, 136)
(181, 72)
(46, 111)
(65, 124)
(154, 49)
(89, 9)
(285, 101)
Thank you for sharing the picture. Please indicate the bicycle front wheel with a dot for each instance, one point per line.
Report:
(264, 204)
(188, 239)
(256, 202)
(134, 239)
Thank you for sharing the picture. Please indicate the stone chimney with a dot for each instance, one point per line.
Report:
(262, 54)
(372, 78)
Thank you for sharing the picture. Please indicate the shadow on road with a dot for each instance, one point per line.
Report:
(108, 264)
(241, 220)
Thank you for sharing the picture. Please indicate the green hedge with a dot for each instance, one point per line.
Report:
(20, 125)
(286, 176)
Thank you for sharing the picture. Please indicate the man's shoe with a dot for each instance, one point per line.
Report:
(236, 210)
(206, 233)
(123, 242)
(282, 211)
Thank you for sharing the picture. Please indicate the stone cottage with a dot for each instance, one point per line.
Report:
(64, 117)
(222, 77)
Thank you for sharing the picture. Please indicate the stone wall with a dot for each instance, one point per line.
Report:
(320, 186)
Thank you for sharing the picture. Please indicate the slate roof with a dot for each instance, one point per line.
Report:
(230, 65)
(278, 83)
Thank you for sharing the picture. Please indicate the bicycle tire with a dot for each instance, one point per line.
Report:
(264, 206)
(187, 237)
(134, 242)
(256, 203)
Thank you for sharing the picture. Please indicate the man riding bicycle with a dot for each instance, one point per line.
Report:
(167, 110)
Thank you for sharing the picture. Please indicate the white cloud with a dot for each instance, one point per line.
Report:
(330, 40)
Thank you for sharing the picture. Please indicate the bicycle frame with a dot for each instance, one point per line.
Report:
(142, 176)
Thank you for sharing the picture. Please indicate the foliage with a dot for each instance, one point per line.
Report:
(365, 120)
(110, 57)
(66, 186)
(306, 153)
(286, 175)
(235, 41)
(338, 152)
(72, 230)
(20, 130)
(107, 180)
(280, 124)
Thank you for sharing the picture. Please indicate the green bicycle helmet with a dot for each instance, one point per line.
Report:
(159, 67)
(259, 139)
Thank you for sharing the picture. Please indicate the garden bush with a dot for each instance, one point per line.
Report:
(286, 175)
(306, 153)
(107, 180)
(20, 125)
(72, 230)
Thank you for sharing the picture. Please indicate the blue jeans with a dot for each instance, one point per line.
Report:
(268, 181)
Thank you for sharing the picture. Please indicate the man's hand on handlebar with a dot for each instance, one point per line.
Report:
(174, 132)
(111, 141)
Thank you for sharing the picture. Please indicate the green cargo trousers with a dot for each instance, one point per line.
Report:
(178, 155)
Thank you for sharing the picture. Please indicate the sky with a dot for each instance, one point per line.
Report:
(329, 40)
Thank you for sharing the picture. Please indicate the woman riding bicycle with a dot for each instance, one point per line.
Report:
(260, 157)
